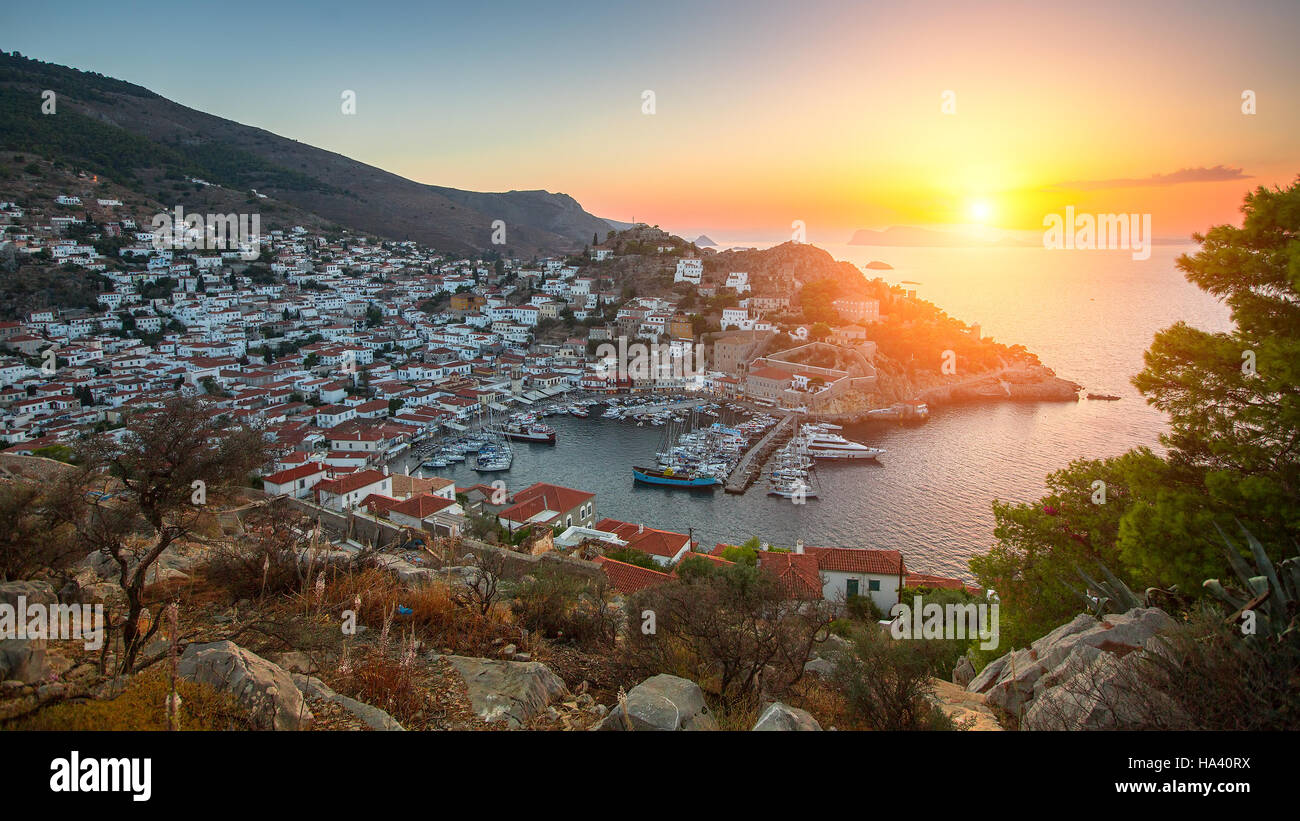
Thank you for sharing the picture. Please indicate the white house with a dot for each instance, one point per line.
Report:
(689, 270)
(296, 482)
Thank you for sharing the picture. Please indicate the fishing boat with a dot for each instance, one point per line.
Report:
(524, 431)
(671, 477)
(579, 412)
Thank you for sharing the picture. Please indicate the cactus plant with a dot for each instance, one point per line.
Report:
(1113, 596)
(1272, 593)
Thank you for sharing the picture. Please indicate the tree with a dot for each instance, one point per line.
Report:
(1233, 398)
(137, 497)
(35, 536)
(1233, 448)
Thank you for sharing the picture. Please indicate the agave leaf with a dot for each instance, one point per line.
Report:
(1239, 565)
(1218, 590)
(1126, 596)
(1262, 561)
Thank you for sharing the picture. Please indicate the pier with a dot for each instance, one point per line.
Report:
(751, 464)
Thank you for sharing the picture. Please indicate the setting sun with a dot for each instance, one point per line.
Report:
(981, 210)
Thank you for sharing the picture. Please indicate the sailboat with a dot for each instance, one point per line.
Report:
(495, 453)
(674, 471)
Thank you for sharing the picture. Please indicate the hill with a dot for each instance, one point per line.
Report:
(147, 141)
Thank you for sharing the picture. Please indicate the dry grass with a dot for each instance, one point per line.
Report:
(437, 619)
(142, 706)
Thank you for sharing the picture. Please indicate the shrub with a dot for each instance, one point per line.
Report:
(885, 683)
(730, 630)
(565, 607)
(143, 706)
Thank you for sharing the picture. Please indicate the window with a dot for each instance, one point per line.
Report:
(873, 584)
(851, 588)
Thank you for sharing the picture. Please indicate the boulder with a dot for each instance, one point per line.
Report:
(30, 592)
(963, 673)
(1022, 676)
(780, 716)
(819, 667)
(375, 718)
(509, 691)
(662, 702)
(963, 707)
(294, 661)
(266, 689)
(989, 675)
(1016, 684)
(23, 660)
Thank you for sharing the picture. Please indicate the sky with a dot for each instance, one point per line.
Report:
(981, 117)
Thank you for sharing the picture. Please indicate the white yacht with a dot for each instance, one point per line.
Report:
(821, 443)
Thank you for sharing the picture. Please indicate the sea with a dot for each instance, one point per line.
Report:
(1088, 315)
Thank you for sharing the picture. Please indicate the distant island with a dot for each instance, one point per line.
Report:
(877, 265)
(703, 241)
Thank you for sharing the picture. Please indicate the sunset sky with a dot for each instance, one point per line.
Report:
(826, 112)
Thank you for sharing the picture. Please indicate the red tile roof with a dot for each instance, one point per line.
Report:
(540, 496)
(347, 484)
(663, 543)
(940, 582)
(417, 507)
(294, 474)
(797, 573)
(859, 560)
(629, 578)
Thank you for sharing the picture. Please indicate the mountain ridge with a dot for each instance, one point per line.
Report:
(165, 136)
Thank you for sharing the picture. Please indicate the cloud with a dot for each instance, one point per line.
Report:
(1218, 173)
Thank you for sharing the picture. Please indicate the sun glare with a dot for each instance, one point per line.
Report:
(981, 210)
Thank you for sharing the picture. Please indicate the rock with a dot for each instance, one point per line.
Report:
(662, 702)
(965, 708)
(780, 716)
(1022, 676)
(375, 718)
(831, 645)
(58, 664)
(819, 667)
(266, 689)
(107, 594)
(509, 650)
(295, 661)
(963, 673)
(23, 660)
(111, 688)
(1016, 685)
(47, 692)
(31, 592)
(509, 691)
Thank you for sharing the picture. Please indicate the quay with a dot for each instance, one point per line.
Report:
(751, 464)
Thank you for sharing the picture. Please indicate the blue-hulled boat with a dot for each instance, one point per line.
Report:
(672, 478)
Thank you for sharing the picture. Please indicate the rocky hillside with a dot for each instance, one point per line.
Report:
(120, 129)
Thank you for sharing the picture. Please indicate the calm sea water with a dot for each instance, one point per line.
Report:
(1088, 315)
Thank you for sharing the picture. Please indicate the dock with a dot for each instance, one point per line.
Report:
(751, 464)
